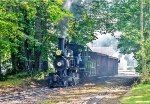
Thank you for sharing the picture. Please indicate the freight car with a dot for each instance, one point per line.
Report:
(74, 63)
(105, 65)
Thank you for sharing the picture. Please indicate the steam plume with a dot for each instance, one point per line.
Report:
(107, 44)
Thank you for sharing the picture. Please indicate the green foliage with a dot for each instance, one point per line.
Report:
(14, 80)
(128, 22)
(50, 70)
(100, 11)
(139, 94)
(39, 76)
(19, 34)
(22, 75)
(129, 42)
(81, 27)
(9, 29)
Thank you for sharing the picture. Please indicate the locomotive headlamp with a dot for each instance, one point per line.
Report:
(58, 52)
(59, 64)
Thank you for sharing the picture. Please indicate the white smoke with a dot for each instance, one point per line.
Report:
(123, 63)
(63, 24)
(107, 44)
(67, 4)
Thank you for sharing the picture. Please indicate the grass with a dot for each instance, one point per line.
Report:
(21, 79)
(15, 80)
(138, 95)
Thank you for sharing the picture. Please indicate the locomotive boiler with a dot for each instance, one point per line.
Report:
(67, 64)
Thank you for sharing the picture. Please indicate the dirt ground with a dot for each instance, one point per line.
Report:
(99, 90)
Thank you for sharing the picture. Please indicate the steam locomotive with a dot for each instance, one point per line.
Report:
(69, 65)
(75, 63)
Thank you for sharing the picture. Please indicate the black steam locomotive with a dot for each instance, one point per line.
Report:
(75, 63)
(69, 65)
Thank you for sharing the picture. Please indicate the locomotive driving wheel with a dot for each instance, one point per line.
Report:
(74, 83)
(50, 81)
(65, 83)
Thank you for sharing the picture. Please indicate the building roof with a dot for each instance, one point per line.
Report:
(104, 50)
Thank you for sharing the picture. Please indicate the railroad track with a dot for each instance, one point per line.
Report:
(102, 84)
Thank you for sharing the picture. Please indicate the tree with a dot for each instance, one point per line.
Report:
(132, 20)
(90, 18)
(28, 30)
(9, 29)
(131, 17)
(81, 28)
(47, 13)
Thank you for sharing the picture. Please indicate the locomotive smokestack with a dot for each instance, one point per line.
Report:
(61, 43)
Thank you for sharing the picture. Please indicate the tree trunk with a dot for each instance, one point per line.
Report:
(45, 61)
(0, 66)
(45, 65)
(20, 62)
(44, 43)
(28, 55)
(27, 51)
(144, 69)
(14, 63)
(37, 55)
(38, 36)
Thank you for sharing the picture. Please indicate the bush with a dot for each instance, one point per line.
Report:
(22, 75)
(39, 76)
